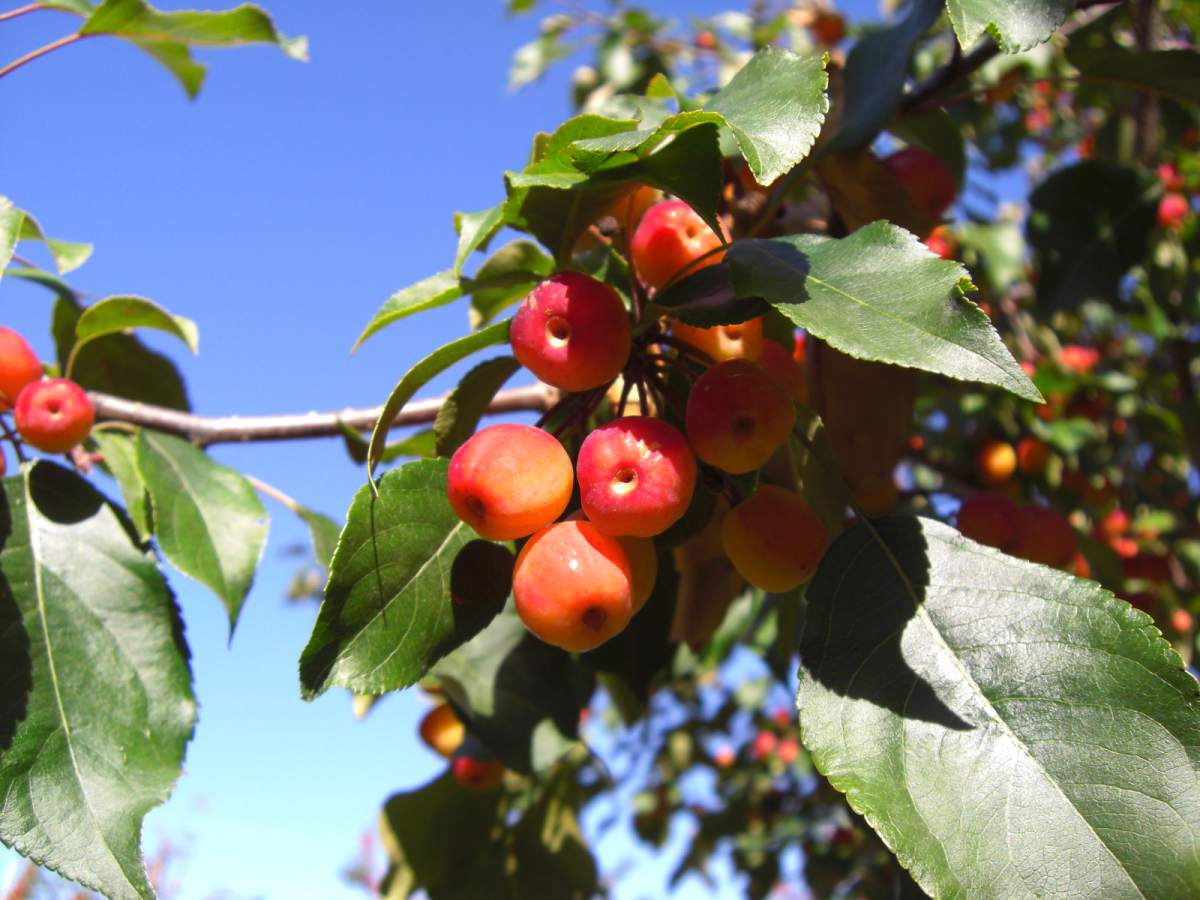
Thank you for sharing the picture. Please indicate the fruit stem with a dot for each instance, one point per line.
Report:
(13, 439)
(21, 10)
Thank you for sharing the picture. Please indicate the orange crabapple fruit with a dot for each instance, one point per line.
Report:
(19, 366)
(996, 462)
(643, 562)
(942, 242)
(670, 237)
(572, 332)
(442, 730)
(743, 340)
(737, 416)
(1032, 455)
(509, 480)
(53, 415)
(782, 366)
(774, 539)
(477, 774)
(636, 476)
(926, 178)
(573, 586)
(990, 518)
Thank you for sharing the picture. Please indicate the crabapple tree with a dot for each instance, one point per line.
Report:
(855, 518)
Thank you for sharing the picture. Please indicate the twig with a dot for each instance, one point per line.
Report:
(13, 439)
(21, 10)
(42, 51)
(205, 430)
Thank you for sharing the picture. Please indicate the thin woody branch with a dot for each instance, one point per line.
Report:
(205, 430)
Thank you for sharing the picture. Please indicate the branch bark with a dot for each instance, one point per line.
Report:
(206, 430)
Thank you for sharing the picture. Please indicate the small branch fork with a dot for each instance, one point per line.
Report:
(206, 430)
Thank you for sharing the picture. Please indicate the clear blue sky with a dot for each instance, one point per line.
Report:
(278, 211)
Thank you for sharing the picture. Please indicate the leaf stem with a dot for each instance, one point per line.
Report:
(21, 10)
(274, 493)
(41, 51)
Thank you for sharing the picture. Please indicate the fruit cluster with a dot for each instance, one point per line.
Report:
(1036, 533)
(580, 577)
(52, 414)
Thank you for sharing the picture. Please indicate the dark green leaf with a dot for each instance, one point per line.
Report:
(419, 443)
(120, 458)
(1009, 730)
(880, 294)
(462, 409)
(117, 363)
(208, 519)
(706, 298)
(774, 106)
(416, 825)
(17, 225)
(409, 583)
(1015, 24)
(116, 315)
(549, 852)
(876, 71)
(1088, 225)
(416, 377)
(522, 697)
(96, 701)
(136, 19)
(1171, 73)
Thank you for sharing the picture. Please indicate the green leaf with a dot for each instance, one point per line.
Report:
(1170, 73)
(1088, 225)
(208, 519)
(96, 703)
(409, 582)
(18, 225)
(462, 409)
(11, 220)
(416, 377)
(415, 825)
(1015, 24)
(1009, 730)
(775, 106)
(532, 59)
(521, 696)
(505, 278)
(475, 230)
(436, 290)
(324, 532)
(246, 24)
(419, 443)
(177, 59)
(117, 363)
(1000, 246)
(880, 294)
(120, 458)
(876, 70)
(116, 315)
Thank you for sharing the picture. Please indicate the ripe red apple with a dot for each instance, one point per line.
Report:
(671, 236)
(572, 332)
(19, 366)
(477, 774)
(636, 476)
(991, 519)
(54, 415)
(1173, 209)
(929, 182)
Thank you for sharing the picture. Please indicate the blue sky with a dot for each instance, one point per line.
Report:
(278, 211)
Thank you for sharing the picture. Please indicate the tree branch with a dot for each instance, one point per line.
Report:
(205, 430)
